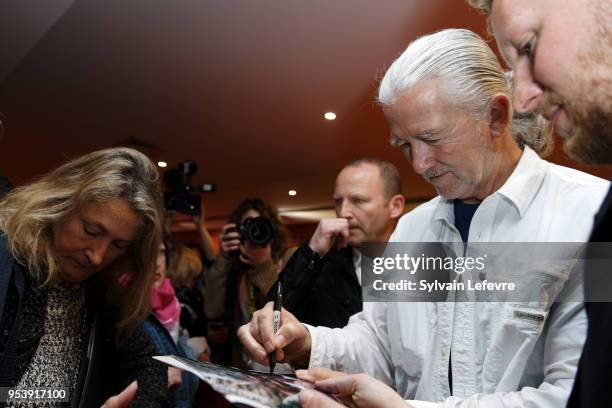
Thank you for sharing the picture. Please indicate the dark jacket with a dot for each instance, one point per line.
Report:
(321, 291)
(105, 368)
(594, 376)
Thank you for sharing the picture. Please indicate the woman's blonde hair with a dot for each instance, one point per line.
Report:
(28, 214)
(184, 266)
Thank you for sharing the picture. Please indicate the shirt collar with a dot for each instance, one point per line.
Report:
(525, 181)
(520, 188)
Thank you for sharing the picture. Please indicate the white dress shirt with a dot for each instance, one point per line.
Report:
(500, 358)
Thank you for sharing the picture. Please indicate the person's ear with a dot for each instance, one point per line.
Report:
(396, 206)
(499, 115)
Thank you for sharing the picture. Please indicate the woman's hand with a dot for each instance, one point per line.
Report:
(124, 399)
(175, 378)
(356, 390)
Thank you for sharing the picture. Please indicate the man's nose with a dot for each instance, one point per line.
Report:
(345, 210)
(421, 158)
(527, 91)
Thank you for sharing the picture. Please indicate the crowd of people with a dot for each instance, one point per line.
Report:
(92, 284)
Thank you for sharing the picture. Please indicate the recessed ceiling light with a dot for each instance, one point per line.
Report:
(330, 115)
(292, 193)
(162, 163)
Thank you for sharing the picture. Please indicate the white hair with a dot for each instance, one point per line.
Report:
(470, 76)
(470, 72)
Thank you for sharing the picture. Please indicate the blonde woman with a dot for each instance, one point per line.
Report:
(77, 258)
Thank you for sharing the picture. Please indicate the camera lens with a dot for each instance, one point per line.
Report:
(258, 230)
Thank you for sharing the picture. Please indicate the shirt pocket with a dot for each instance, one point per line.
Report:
(511, 345)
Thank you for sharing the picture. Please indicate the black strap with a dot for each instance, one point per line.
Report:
(10, 275)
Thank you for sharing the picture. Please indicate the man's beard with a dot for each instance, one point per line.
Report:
(591, 141)
(590, 108)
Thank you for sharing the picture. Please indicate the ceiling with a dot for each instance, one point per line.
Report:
(239, 86)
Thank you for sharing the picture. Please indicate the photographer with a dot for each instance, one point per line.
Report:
(242, 274)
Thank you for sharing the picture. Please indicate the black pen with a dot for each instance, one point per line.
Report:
(278, 302)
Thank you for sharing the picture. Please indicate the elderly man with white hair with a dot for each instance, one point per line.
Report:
(447, 102)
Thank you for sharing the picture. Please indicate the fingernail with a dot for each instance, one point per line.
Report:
(280, 341)
(305, 396)
(133, 385)
(269, 346)
(304, 375)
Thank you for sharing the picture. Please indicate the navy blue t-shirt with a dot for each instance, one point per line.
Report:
(464, 213)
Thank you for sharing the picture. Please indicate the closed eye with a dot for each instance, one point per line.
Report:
(90, 231)
(527, 48)
(397, 142)
(429, 137)
(121, 245)
(431, 140)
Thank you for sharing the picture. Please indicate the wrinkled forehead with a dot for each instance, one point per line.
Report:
(424, 113)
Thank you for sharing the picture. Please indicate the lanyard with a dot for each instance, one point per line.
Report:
(251, 307)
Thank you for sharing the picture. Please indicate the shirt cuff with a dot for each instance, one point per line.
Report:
(316, 354)
(312, 256)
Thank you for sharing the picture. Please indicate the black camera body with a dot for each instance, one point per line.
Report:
(180, 196)
(184, 203)
(256, 230)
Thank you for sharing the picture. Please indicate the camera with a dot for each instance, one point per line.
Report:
(181, 196)
(256, 230)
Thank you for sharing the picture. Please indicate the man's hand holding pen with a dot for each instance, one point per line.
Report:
(276, 321)
(291, 342)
